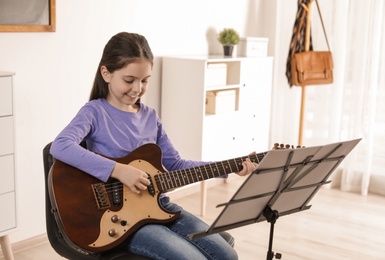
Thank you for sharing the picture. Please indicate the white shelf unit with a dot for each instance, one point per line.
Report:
(7, 165)
(187, 83)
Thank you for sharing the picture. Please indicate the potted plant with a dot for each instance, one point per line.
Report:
(228, 37)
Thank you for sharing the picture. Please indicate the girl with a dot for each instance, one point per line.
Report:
(114, 123)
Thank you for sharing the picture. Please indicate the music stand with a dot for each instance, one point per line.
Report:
(284, 183)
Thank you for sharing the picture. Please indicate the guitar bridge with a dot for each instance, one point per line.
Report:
(101, 196)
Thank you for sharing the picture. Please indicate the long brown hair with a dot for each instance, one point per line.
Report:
(122, 49)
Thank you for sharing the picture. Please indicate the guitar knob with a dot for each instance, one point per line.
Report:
(112, 232)
(115, 218)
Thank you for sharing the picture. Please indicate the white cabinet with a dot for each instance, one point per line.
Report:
(244, 84)
(7, 171)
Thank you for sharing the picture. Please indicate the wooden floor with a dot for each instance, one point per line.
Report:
(339, 225)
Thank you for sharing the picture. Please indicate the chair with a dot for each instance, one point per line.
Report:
(59, 244)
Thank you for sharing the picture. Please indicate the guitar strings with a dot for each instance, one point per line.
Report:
(187, 175)
(195, 174)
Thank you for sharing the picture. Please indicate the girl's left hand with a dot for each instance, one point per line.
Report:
(248, 167)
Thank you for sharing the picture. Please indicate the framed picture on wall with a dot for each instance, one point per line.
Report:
(27, 16)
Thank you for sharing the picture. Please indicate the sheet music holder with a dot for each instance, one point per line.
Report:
(284, 183)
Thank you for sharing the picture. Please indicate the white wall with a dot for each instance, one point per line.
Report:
(54, 71)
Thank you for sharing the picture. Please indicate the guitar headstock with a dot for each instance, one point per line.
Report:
(278, 146)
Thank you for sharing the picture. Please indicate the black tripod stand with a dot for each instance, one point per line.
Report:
(271, 216)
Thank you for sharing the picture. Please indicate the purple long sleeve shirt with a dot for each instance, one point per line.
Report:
(113, 133)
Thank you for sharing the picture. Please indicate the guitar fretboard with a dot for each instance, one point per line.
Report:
(174, 179)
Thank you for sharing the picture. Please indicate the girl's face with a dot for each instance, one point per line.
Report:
(127, 85)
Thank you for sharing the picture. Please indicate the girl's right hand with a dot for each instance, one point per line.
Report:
(135, 179)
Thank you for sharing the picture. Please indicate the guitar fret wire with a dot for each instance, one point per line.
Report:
(208, 170)
(236, 164)
(214, 170)
(194, 174)
(180, 184)
(166, 180)
(205, 173)
(176, 179)
(163, 180)
(158, 182)
(184, 177)
(211, 168)
(223, 167)
(160, 186)
(171, 181)
(161, 176)
(200, 175)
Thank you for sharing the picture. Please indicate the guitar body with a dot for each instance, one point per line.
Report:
(96, 216)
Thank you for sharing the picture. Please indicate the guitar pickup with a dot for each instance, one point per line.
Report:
(116, 192)
(150, 187)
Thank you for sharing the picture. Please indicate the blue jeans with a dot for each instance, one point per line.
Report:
(170, 241)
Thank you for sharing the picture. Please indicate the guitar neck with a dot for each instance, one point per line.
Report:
(175, 179)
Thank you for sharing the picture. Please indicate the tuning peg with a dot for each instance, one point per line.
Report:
(278, 146)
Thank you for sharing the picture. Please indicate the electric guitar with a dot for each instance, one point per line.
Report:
(94, 216)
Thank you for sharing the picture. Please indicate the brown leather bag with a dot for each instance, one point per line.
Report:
(312, 67)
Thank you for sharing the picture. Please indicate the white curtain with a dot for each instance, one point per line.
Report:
(354, 105)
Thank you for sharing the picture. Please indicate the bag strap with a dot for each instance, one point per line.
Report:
(322, 22)
(302, 21)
